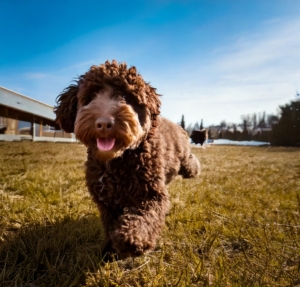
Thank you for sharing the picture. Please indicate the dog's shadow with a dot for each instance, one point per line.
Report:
(58, 254)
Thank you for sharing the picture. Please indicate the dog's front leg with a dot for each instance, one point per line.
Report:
(137, 229)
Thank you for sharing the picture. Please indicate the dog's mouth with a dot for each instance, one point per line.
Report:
(105, 144)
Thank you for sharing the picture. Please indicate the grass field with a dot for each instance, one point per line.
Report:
(238, 224)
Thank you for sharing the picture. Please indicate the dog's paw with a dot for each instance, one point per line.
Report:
(131, 246)
(108, 254)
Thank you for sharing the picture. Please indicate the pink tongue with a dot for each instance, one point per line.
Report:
(105, 143)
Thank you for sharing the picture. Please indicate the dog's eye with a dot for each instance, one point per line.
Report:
(126, 98)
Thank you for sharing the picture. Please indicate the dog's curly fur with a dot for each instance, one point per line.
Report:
(133, 153)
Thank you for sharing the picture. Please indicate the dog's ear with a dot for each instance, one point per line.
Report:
(153, 104)
(66, 108)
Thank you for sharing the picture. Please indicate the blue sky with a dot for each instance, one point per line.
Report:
(211, 60)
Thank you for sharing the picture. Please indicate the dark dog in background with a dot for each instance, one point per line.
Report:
(133, 153)
(199, 136)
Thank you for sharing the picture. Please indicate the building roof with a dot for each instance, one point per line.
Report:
(22, 103)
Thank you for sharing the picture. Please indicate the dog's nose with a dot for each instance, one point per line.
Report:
(103, 123)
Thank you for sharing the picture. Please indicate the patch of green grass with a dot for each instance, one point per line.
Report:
(238, 224)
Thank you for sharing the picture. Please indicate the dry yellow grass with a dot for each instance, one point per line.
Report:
(238, 224)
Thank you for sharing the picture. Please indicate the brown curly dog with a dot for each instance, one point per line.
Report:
(133, 153)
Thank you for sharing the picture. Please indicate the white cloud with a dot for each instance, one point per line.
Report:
(256, 73)
(78, 66)
(35, 76)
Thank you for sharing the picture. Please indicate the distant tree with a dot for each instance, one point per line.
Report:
(259, 120)
(182, 123)
(272, 120)
(245, 132)
(223, 124)
(235, 132)
(222, 131)
(254, 121)
(246, 124)
(189, 129)
(201, 125)
(287, 131)
(262, 120)
(246, 119)
(196, 126)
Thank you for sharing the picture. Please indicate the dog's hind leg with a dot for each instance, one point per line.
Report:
(190, 167)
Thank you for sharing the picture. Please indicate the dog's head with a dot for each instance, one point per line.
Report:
(110, 109)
